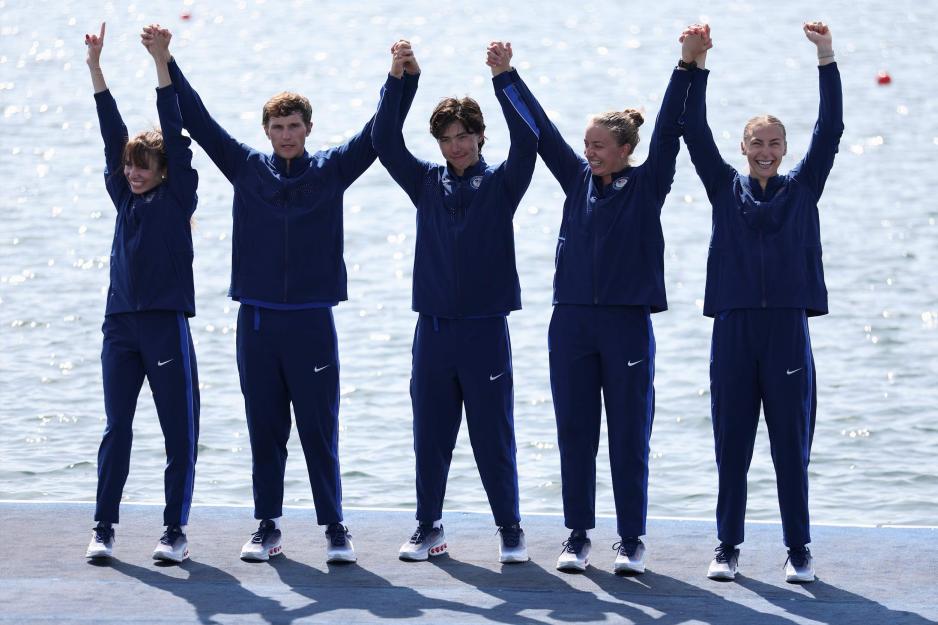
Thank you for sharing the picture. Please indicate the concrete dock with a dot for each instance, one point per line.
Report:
(881, 576)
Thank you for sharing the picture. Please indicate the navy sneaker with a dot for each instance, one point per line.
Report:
(426, 541)
(102, 542)
(576, 552)
(339, 546)
(512, 546)
(173, 545)
(799, 567)
(265, 542)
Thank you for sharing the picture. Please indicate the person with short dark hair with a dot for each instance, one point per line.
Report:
(765, 279)
(464, 286)
(287, 272)
(152, 184)
(608, 281)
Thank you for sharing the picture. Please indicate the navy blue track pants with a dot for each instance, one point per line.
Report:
(155, 345)
(458, 361)
(607, 350)
(763, 356)
(284, 357)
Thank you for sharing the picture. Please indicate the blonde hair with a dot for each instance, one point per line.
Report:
(762, 120)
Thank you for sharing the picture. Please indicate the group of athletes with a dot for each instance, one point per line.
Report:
(764, 279)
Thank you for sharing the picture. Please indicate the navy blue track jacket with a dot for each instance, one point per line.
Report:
(610, 251)
(287, 240)
(464, 262)
(151, 256)
(765, 250)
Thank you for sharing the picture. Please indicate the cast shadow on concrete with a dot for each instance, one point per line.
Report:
(210, 591)
(829, 604)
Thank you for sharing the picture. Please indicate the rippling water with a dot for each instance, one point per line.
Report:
(877, 433)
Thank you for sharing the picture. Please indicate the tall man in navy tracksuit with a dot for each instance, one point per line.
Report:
(764, 279)
(465, 285)
(287, 271)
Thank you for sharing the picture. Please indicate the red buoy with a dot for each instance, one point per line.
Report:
(883, 78)
(185, 15)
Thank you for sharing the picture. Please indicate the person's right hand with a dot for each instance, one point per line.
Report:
(402, 58)
(695, 41)
(95, 43)
(156, 40)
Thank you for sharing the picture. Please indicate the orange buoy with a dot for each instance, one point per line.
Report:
(883, 78)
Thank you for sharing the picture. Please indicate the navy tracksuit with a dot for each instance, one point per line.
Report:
(609, 278)
(287, 270)
(146, 327)
(465, 283)
(764, 279)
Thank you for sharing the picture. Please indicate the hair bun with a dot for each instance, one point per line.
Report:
(637, 118)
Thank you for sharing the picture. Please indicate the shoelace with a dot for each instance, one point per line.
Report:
(172, 533)
(421, 534)
(798, 557)
(724, 553)
(511, 535)
(265, 529)
(628, 546)
(575, 543)
(337, 534)
(103, 533)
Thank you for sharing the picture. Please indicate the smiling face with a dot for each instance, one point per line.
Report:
(764, 145)
(288, 135)
(604, 154)
(459, 147)
(143, 177)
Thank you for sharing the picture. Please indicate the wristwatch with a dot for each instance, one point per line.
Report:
(685, 65)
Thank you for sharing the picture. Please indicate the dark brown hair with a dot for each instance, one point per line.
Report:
(463, 110)
(146, 148)
(285, 104)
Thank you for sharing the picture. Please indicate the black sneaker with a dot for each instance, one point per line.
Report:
(173, 545)
(576, 552)
(102, 541)
(630, 556)
(265, 542)
(725, 562)
(512, 546)
(426, 541)
(339, 544)
(799, 567)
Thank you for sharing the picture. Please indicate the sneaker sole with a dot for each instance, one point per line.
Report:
(422, 557)
(721, 576)
(261, 557)
(514, 558)
(97, 555)
(168, 557)
(342, 557)
(628, 567)
(573, 566)
(799, 579)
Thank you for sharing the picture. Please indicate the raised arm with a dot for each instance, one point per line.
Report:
(562, 160)
(181, 178)
(819, 159)
(710, 166)
(226, 152)
(522, 129)
(113, 130)
(387, 129)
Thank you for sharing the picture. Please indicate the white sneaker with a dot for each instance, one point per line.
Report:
(339, 546)
(102, 542)
(725, 563)
(173, 545)
(265, 542)
(512, 546)
(576, 552)
(426, 541)
(799, 567)
(631, 555)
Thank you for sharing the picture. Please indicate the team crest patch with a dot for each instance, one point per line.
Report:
(476, 182)
(619, 183)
